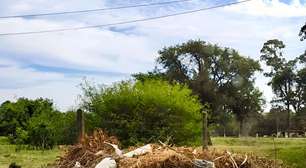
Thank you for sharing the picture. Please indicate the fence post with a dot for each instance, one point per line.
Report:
(204, 131)
(80, 125)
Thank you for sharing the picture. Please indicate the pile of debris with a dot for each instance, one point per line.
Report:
(89, 152)
(101, 151)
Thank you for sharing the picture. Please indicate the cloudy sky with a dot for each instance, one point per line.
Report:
(52, 65)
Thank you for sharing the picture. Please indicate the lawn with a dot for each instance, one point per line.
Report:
(25, 158)
(291, 151)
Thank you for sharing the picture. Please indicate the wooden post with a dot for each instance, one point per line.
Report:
(204, 131)
(80, 125)
(275, 152)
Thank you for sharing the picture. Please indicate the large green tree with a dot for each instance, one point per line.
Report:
(36, 122)
(211, 72)
(246, 102)
(301, 75)
(283, 77)
(300, 117)
(17, 114)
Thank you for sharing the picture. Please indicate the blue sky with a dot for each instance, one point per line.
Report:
(53, 65)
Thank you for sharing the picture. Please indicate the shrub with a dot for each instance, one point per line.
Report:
(36, 123)
(144, 111)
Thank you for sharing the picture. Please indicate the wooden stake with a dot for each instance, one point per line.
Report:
(204, 131)
(80, 125)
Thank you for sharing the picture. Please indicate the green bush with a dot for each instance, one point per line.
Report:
(144, 111)
(22, 136)
(49, 129)
(36, 123)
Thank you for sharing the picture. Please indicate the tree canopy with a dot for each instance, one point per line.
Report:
(286, 80)
(36, 123)
(213, 73)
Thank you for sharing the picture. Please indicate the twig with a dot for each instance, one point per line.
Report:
(232, 159)
(245, 160)
(167, 146)
(181, 154)
(217, 158)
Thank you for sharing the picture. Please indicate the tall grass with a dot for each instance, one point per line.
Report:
(291, 151)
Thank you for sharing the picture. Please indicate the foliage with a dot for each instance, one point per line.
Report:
(272, 122)
(154, 75)
(303, 32)
(144, 111)
(300, 96)
(300, 120)
(15, 115)
(286, 80)
(275, 121)
(213, 73)
(36, 122)
(227, 126)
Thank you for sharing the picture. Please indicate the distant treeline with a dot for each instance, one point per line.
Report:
(36, 123)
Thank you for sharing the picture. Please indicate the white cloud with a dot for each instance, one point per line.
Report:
(274, 8)
(86, 49)
(15, 77)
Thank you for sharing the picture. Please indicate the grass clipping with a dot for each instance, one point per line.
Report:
(93, 149)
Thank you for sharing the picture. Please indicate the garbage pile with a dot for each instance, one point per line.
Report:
(89, 152)
(102, 151)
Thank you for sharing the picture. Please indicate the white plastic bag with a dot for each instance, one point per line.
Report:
(107, 163)
(139, 151)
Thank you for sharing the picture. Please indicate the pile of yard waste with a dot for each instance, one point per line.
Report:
(101, 151)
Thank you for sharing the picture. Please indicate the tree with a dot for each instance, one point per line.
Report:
(283, 76)
(247, 102)
(17, 114)
(210, 71)
(154, 75)
(303, 32)
(299, 101)
(145, 111)
(36, 123)
(227, 125)
(272, 122)
(301, 77)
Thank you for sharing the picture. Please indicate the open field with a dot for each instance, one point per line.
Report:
(291, 151)
(26, 158)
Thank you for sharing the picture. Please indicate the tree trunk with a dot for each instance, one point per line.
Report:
(241, 128)
(209, 139)
(288, 119)
(277, 126)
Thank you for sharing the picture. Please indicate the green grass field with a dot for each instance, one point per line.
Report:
(25, 158)
(291, 151)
